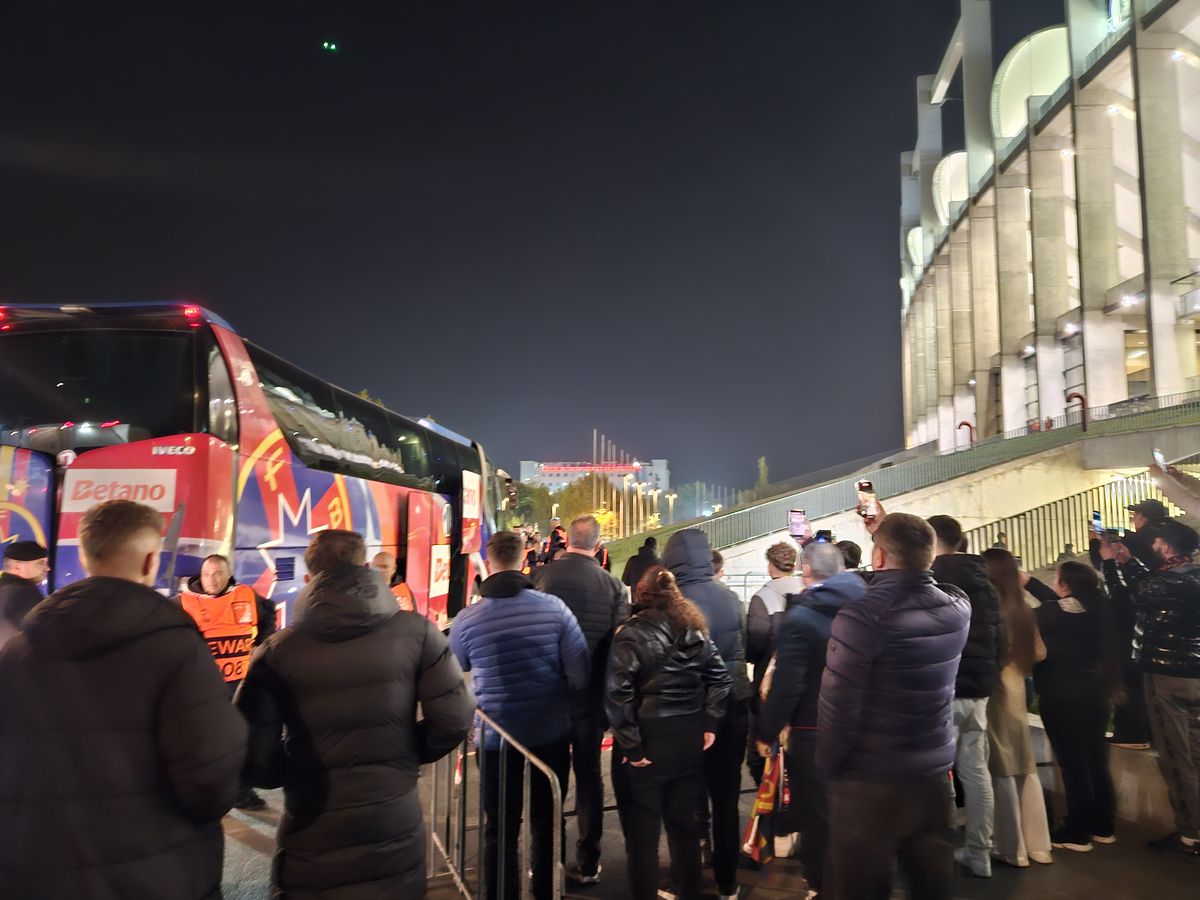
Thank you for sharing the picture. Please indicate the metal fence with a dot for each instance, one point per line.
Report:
(451, 811)
(770, 516)
(1040, 535)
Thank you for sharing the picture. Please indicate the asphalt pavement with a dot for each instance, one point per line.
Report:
(1127, 870)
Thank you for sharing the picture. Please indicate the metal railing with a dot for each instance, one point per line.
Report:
(1039, 536)
(450, 781)
(770, 516)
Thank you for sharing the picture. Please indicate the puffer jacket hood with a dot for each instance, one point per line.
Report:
(689, 557)
(979, 671)
(832, 594)
(344, 603)
(95, 616)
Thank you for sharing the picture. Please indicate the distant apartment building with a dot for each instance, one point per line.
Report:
(1056, 258)
(655, 474)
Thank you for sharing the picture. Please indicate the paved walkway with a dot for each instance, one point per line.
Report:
(1127, 870)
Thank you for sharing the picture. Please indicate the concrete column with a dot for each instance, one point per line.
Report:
(985, 311)
(1095, 202)
(916, 361)
(1164, 210)
(931, 354)
(977, 75)
(945, 351)
(905, 379)
(961, 334)
(1051, 298)
(1012, 265)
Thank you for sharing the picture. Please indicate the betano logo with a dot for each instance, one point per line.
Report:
(87, 487)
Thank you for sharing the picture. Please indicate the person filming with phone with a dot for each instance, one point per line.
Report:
(1166, 646)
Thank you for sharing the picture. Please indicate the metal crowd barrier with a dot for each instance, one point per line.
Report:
(450, 812)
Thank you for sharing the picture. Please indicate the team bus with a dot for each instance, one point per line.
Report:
(243, 453)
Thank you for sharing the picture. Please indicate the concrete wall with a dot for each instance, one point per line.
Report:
(974, 500)
(1134, 449)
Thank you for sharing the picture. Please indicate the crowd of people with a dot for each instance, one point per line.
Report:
(882, 691)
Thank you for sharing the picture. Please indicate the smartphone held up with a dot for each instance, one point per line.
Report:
(798, 527)
(868, 503)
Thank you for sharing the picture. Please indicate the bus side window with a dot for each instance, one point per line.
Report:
(222, 408)
(409, 443)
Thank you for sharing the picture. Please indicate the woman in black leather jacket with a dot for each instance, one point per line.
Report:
(665, 696)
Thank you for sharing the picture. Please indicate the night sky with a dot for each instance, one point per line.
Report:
(676, 222)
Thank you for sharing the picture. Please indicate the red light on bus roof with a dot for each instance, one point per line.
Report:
(191, 312)
(5, 327)
(111, 424)
(3, 313)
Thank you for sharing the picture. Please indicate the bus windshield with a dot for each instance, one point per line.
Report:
(84, 389)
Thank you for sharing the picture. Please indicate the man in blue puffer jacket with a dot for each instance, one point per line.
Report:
(885, 732)
(795, 687)
(528, 659)
(689, 558)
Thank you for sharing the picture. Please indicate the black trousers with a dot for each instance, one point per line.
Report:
(723, 780)
(1131, 722)
(809, 811)
(872, 824)
(587, 731)
(755, 765)
(1075, 727)
(541, 823)
(662, 793)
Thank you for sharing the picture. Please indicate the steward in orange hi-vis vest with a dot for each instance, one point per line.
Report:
(229, 623)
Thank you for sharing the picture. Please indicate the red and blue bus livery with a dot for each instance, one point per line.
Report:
(243, 453)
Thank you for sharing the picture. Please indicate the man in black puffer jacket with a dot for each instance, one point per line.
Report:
(598, 603)
(345, 680)
(978, 678)
(884, 734)
(689, 558)
(119, 750)
(1166, 646)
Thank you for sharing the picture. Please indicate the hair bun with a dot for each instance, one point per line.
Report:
(664, 580)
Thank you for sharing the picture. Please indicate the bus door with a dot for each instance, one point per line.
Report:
(427, 560)
(27, 489)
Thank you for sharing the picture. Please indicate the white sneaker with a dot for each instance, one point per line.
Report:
(1039, 857)
(980, 868)
(733, 896)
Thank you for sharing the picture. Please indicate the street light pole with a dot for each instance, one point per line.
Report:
(671, 498)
